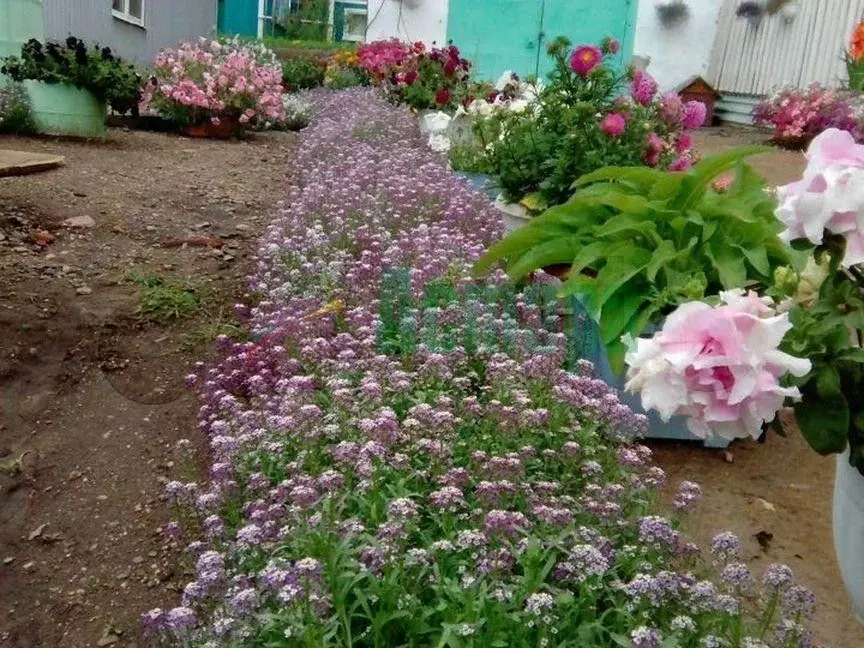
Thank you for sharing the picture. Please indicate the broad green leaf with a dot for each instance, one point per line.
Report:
(758, 258)
(638, 175)
(823, 422)
(619, 269)
(697, 179)
(629, 223)
(730, 266)
(553, 251)
(664, 253)
(619, 201)
(619, 309)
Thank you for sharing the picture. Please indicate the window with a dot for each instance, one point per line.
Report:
(129, 10)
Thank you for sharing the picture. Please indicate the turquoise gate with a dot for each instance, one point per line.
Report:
(513, 34)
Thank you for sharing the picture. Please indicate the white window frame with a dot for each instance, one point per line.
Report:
(125, 16)
(353, 37)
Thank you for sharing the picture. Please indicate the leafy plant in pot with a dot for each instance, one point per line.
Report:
(640, 241)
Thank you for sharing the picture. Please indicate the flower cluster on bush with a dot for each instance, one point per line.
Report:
(213, 81)
(92, 68)
(797, 115)
(580, 124)
(344, 71)
(413, 74)
(15, 112)
(376, 492)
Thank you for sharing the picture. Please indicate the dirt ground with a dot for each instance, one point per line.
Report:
(92, 400)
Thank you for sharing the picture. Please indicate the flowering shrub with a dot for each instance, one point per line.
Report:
(15, 111)
(854, 58)
(579, 124)
(211, 81)
(344, 71)
(370, 491)
(798, 115)
(412, 74)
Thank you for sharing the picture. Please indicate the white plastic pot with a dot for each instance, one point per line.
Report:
(849, 530)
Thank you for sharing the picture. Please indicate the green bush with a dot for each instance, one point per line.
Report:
(15, 112)
(300, 73)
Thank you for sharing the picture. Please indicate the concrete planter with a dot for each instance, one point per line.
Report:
(513, 215)
(63, 109)
(849, 530)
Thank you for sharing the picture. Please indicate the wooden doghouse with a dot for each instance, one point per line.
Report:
(698, 89)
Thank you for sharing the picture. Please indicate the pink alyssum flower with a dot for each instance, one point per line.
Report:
(718, 366)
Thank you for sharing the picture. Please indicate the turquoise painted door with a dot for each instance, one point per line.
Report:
(501, 35)
(238, 17)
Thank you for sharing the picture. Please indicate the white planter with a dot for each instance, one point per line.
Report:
(513, 214)
(849, 530)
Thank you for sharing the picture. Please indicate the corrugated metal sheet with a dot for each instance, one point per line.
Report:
(166, 23)
(753, 61)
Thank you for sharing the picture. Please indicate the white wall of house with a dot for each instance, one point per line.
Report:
(413, 20)
(678, 49)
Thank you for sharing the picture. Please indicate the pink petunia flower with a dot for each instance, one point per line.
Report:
(720, 366)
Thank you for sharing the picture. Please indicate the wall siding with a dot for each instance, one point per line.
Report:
(750, 61)
(167, 22)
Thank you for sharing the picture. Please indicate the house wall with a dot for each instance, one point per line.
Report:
(166, 23)
(681, 49)
(413, 20)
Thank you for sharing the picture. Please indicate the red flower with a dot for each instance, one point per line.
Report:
(442, 97)
(410, 77)
(450, 67)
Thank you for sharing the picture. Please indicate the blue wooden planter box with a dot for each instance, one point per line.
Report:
(481, 182)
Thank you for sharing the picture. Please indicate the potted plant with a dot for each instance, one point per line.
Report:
(71, 85)
(638, 242)
(213, 89)
(579, 123)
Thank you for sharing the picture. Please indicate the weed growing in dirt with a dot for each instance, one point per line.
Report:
(217, 323)
(165, 299)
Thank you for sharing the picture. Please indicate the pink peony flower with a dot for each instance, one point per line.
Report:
(672, 107)
(642, 87)
(613, 124)
(585, 58)
(694, 115)
(720, 366)
(684, 143)
(829, 197)
(681, 163)
(656, 145)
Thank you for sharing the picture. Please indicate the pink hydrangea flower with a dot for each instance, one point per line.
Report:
(829, 196)
(720, 366)
(643, 87)
(613, 124)
(694, 114)
(585, 58)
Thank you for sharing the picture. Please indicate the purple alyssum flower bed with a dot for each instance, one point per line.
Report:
(440, 493)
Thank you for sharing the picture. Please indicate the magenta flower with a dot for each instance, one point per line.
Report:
(681, 163)
(610, 45)
(585, 58)
(672, 107)
(720, 366)
(613, 124)
(642, 87)
(694, 114)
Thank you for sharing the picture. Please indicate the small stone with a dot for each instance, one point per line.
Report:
(2, 236)
(728, 457)
(150, 228)
(107, 639)
(35, 533)
(29, 566)
(138, 560)
(75, 474)
(8, 560)
(241, 227)
(79, 194)
(83, 222)
(43, 238)
(84, 290)
(203, 225)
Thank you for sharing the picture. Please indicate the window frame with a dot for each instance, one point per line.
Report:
(125, 16)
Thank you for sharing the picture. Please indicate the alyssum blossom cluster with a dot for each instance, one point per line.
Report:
(211, 81)
(365, 492)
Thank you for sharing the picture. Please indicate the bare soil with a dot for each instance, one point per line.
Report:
(92, 400)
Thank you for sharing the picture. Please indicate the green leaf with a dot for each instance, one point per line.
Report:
(664, 253)
(730, 266)
(614, 199)
(696, 180)
(637, 175)
(828, 382)
(553, 251)
(758, 258)
(628, 223)
(618, 270)
(823, 422)
(619, 309)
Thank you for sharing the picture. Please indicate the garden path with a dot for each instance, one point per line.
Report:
(92, 400)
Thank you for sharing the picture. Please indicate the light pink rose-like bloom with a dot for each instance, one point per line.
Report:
(829, 197)
(719, 366)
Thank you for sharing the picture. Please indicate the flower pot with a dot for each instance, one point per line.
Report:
(513, 215)
(224, 129)
(64, 109)
(792, 143)
(849, 530)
